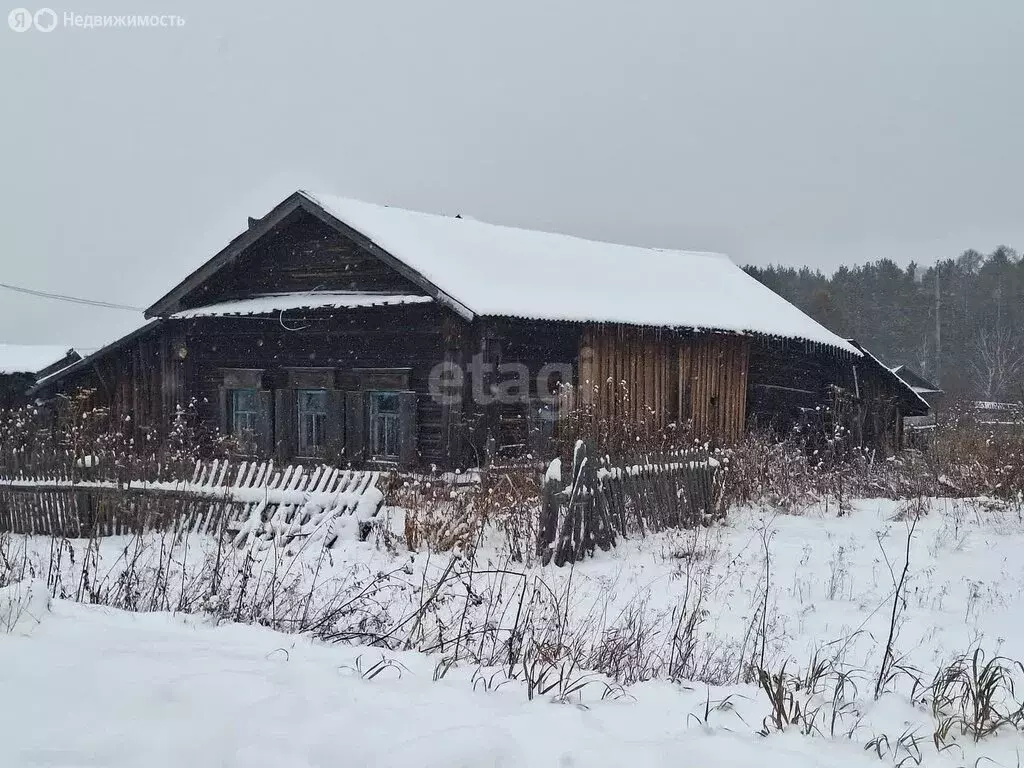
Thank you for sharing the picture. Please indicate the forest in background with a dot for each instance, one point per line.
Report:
(960, 323)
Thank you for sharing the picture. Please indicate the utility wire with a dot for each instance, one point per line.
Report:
(71, 299)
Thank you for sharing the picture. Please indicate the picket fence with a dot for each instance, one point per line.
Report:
(599, 503)
(255, 503)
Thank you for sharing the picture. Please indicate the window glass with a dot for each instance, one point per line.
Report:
(384, 425)
(312, 418)
(387, 402)
(245, 411)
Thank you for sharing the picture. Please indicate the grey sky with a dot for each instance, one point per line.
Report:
(790, 131)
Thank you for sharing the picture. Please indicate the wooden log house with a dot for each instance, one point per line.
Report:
(336, 329)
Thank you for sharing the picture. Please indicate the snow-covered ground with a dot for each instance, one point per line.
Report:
(96, 687)
(93, 686)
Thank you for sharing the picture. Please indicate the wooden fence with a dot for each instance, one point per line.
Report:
(255, 503)
(599, 503)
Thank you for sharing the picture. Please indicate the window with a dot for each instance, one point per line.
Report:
(312, 427)
(245, 415)
(384, 425)
(546, 414)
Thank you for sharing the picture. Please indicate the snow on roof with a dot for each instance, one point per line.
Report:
(498, 270)
(26, 358)
(84, 362)
(280, 302)
(890, 370)
(910, 376)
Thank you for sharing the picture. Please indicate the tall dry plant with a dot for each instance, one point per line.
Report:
(71, 437)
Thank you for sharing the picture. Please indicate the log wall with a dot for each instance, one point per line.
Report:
(302, 254)
(142, 380)
(414, 337)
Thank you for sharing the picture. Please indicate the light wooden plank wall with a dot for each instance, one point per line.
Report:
(713, 392)
(626, 373)
(654, 377)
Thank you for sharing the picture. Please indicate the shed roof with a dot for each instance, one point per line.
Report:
(917, 404)
(482, 269)
(30, 358)
(85, 362)
(917, 382)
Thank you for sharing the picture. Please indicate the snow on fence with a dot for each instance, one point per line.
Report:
(600, 502)
(255, 503)
(992, 414)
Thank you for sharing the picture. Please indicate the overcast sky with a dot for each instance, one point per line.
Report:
(802, 132)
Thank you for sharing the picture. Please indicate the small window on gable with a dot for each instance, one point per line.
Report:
(312, 422)
(385, 425)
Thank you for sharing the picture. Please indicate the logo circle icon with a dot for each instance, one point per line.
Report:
(20, 19)
(45, 20)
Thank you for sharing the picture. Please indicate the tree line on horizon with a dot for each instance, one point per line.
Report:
(959, 323)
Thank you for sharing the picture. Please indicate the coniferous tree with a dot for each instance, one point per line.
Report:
(976, 349)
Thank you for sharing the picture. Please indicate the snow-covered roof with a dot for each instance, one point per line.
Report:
(889, 370)
(30, 358)
(85, 362)
(281, 302)
(922, 387)
(480, 269)
(497, 270)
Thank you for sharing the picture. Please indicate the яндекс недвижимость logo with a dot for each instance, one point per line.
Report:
(22, 20)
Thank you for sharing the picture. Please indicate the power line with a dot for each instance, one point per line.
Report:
(70, 299)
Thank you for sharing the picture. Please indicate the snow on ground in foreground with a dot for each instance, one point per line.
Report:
(97, 687)
(88, 686)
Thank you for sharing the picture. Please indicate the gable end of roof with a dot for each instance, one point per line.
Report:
(316, 208)
(169, 304)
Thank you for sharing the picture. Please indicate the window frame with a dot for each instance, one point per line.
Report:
(377, 418)
(314, 450)
(247, 443)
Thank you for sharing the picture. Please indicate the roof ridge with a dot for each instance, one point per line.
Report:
(318, 199)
